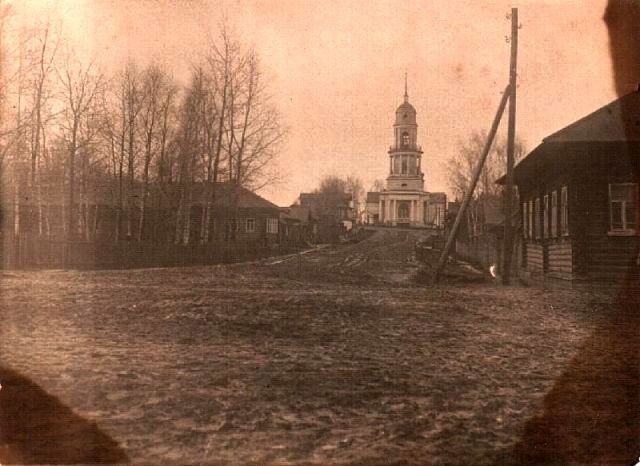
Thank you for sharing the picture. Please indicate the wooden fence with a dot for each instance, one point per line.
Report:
(28, 251)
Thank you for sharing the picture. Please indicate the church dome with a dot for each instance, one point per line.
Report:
(406, 114)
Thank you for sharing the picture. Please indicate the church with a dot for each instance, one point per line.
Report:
(404, 201)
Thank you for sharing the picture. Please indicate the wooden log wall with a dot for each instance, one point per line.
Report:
(560, 257)
(535, 257)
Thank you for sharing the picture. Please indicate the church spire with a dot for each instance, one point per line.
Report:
(406, 95)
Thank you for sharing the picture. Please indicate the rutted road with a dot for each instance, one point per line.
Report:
(335, 356)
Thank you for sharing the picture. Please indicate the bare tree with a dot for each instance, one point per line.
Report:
(188, 148)
(42, 65)
(377, 186)
(116, 132)
(166, 139)
(81, 88)
(355, 187)
(157, 92)
(254, 132)
(133, 100)
(460, 170)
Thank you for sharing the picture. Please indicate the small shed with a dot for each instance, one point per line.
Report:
(579, 198)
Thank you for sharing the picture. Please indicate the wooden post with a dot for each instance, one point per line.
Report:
(474, 180)
(508, 211)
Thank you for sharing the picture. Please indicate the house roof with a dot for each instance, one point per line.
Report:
(108, 194)
(246, 198)
(334, 197)
(617, 121)
(440, 197)
(300, 213)
(373, 197)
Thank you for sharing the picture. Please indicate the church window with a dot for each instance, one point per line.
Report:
(396, 168)
(404, 165)
(403, 210)
(405, 139)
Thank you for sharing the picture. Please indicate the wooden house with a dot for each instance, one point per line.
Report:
(579, 198)
(297, 226)
(333, 212)
(238, 214)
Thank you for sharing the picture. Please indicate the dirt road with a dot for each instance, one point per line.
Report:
(333, 356)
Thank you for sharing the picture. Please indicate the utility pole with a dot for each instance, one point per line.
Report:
(511, 133)
(472, 186)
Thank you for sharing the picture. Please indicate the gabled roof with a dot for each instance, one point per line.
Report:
(373, 197)
(440, 197)
(224, 191)
(246, 198)
(616, 121)
(300, 213)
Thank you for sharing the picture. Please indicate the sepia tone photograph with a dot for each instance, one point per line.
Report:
(309, 232)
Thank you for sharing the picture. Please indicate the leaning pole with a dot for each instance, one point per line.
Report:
(474, 180)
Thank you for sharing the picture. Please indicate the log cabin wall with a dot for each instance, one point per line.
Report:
(535, 257)
(608, 255)
(549, 247)
(561, 258)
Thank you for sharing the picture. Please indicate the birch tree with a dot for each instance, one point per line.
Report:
(81, 87)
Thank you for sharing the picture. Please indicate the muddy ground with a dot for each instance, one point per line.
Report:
(333, 356)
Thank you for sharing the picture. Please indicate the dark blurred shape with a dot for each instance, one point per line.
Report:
(36, 428)
(622, 18)
(592, 413)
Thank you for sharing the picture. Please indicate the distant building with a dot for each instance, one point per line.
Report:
(372, 208)
(404, 202)
(334, 211)
(298, 226)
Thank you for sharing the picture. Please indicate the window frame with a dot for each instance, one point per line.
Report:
(531, 224)
(250, 221)
(405, 139)
(525, 219)
(564, 211)
(536, 218)
(554, 213)
(545, 216)
(624, 231)
(272, 226)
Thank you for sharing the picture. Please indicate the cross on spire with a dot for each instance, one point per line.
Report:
(406, 95)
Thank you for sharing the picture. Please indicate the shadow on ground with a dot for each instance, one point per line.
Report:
(592, 413)
(36, 427)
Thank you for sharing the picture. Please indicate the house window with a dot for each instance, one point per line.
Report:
(530, 219)
(564, 211)
(623, 207)
(536, 218)
(554, 214)
(250, 225)
(525, 219)
(545, 217)
(272, 225)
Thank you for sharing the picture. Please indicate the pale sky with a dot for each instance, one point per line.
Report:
(336, 68)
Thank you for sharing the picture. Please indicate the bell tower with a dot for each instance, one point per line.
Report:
(405, 155)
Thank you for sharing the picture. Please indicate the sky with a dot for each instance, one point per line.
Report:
(336, 68)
